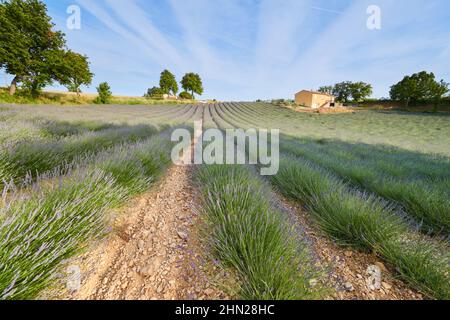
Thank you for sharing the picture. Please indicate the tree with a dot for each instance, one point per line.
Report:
(155, 93)
(186, 96)
(168, 83)
(437, 91)
(343, 91)
(404, 91)
(33, 52)
(347, 90)
(193, 83)
(26, 42)
(72, 70)
(326, 89)
(420, 86)
(360, 91)
(104, 93)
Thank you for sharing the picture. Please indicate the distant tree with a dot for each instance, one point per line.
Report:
(326, 89)
(404, 91)
(347, 91)
(437, 92)
(420, 86)
(186, 96)
(104, 93)
(28, 43)
(193, 83)
(343, 91)
(154, 93)
(360, 91)
(72, 71)
(168, 83)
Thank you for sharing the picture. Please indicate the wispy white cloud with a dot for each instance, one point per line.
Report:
(281, 30)
(347, 50)
(133, 16)
(267, 48)
(215, 39)
(326, 10)
(131, 38)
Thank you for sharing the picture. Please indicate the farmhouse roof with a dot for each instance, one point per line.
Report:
(316, 92)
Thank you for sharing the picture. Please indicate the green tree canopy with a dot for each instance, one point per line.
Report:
(186, 95)
(31, 50)
(343, 91)
(420, 86)
(72, 70)
(155, 93)
(437, 91)
(168, 83)
(104, 93)
(360, 91)
(347, 91)
(326, 89)
(192, 83)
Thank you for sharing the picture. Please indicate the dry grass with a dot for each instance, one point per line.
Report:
(70, 98)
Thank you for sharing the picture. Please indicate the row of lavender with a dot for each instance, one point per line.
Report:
(61, 178)
(380, 199)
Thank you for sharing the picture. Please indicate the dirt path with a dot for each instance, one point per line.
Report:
(154, 251)
(349, 271)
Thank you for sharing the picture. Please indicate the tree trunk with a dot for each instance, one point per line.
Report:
(436, 105)
(13, 87)
(35, 89)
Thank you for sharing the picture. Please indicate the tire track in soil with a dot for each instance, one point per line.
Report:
(155, 252)
(347, 270)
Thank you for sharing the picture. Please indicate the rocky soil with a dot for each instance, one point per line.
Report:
(350, 275)
(154, 251)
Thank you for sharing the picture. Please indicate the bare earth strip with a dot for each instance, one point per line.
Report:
(347, 269)
(154, 252)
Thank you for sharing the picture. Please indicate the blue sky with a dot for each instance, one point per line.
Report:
(249, 49)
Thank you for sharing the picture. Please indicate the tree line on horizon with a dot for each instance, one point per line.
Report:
(347, 91)
(420, 87)
(168, 85)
